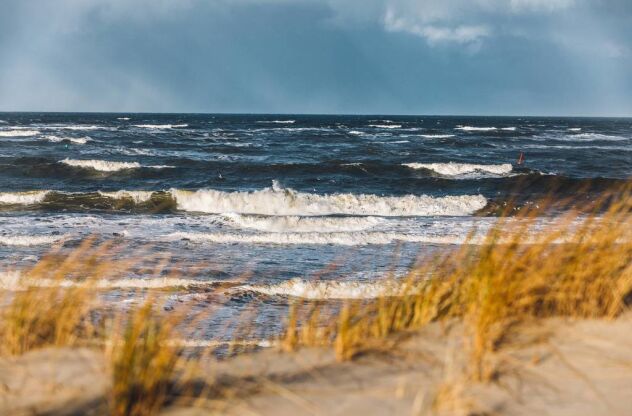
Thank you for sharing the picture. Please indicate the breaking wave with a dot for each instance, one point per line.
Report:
(302, 224)
(466, 170)
(321, 289)
(437, 136)
(29, 240)
(138, 196)
(471, 128)
(76, 127)
(595, 137)
(107, 165)
(279, 201)
(14, 280)
(316, 238)
(278, 121)
(386, 126)
(19, 133)
(76, 140)
(160, 126)
(22, 198)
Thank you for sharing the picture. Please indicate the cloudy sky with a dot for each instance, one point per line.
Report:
(504, 57)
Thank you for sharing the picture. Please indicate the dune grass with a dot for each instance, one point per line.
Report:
(576, 267)
(579, 266)
(52, 301)
(143, 363)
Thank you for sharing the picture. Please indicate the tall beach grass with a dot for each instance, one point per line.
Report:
(577, 266)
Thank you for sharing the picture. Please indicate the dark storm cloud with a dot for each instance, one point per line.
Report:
(324, 56)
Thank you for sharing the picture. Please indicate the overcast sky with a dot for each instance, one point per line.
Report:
(488, 57)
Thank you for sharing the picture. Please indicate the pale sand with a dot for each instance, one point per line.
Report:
(553, 368)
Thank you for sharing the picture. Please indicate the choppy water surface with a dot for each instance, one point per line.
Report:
(283, 197)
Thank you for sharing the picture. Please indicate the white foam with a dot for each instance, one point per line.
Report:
(278, 121)
(15, 281)
(575, 147)
(276, 201)
(10, 279)
(137, 196)
(133, 151)
(108, 165)
(19, 133)
(123, 118)
(470, 128)
(302, 224)
(357, 133)
(316, 238)
(101, 165)
(57, 139)
(509, 128)
(321, 289)
(463, 169)
(160, 126)
(437, 136)
(22, 198)
(75, 127)
(28, 240)
(156, 283)
(575, 129)
(203, 343)
(595, 137)
(386, 126)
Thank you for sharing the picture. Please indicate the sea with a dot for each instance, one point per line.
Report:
(254, 211)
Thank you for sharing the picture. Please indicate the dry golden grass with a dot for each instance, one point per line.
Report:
(56, 303)
(143, 363)
(53, 301)
(578, 267)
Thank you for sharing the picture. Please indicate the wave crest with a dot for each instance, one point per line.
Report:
(275, 201)
(385, 126)
(22, 198)
(472, 128)
(463, 169)
(19, 133)
(76, 140)
(101, 165)
(316, 238)
(321, 289)
(437, 136)
(302, 224)
(107, 165)
(29, 240)
(138, 196)
(160, 126)
(278, 121)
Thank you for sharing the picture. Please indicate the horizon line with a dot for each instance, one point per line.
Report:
(313, 114)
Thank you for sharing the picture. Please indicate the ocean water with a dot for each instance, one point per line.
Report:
(271, 207)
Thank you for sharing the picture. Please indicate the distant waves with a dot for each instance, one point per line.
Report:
(464, 170)
(108, 165)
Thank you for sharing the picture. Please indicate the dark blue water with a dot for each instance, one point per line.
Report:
(246, 152)
(284, 197)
